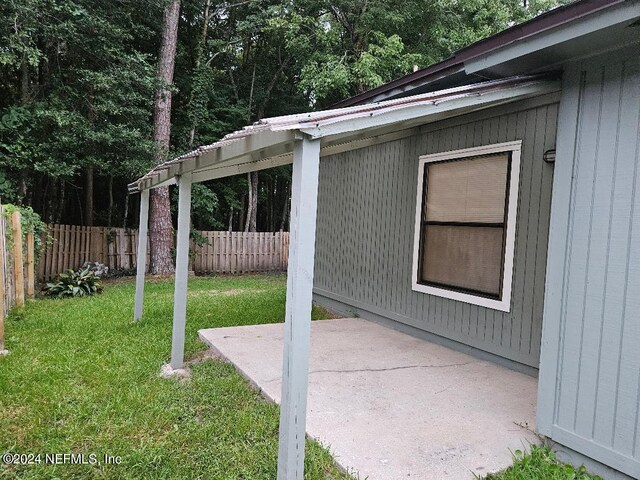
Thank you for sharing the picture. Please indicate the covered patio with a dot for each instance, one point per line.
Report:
(302, 140)
(389, 405)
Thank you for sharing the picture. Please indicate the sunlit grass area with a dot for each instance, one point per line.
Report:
(83, 378)
(540, 463)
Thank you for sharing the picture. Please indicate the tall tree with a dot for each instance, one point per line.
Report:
(161, 227)
(78, 80)
(75, 95)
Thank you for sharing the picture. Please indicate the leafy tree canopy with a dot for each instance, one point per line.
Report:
(77, 85)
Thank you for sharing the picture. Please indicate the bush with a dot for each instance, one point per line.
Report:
(74, 284)
(31, 222)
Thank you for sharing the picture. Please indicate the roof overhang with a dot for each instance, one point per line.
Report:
(605, 29)
(269, 143)
(544, 43)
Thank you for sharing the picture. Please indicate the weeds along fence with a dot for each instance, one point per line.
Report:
(17, 275)
(222, 252)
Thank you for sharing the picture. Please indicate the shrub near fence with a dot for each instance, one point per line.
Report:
(224, 252)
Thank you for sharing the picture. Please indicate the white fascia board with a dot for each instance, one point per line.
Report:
(237, 169)
(560, 34)
(251, 148)
(422, 111)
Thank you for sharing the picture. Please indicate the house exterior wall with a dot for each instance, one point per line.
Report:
(365, 226)
(589, 389)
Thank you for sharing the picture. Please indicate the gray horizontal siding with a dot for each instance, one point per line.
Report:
(590, 384)
(365, 230)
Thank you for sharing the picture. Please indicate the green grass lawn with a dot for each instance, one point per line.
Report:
(540, 463)
(82, 378)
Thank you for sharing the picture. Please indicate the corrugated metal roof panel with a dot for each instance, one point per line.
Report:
(323, 124)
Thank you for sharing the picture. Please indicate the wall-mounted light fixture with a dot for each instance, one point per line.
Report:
(549, 156)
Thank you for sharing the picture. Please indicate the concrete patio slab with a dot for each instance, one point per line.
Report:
(391, 406)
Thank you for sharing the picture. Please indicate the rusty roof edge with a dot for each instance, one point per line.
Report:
(327, 117)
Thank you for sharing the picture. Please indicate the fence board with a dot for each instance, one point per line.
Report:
(224, 252)
(16, 265)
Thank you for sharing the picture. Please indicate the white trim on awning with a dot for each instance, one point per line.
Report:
(269, 142)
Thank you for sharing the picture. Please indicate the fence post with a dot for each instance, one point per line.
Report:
(31, 280)
(2, 286)
(18, 265)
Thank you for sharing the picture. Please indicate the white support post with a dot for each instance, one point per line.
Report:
(142, 253)
(297, 331)
(182, 271)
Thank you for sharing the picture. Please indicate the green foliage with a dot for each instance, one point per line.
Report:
(348, 46)
(204, 203)
(77, 283)
(30, 222)
(198, 239)
(77, 86)
(540, 463)
(85, 379)
(7, 186)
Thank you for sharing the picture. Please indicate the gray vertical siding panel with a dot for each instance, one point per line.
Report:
(511, 329)
(389, 186)
(366, 221)
(628, 391)
(595, 290)
(542, 231)
(591, 370)
(524, 340)
(628, 381)
(579, 253)
(612, 311)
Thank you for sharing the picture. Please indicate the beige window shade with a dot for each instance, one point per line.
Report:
(469, 190)
(463, 224)
(469, 258)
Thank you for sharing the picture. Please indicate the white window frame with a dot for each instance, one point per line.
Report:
(504, 303)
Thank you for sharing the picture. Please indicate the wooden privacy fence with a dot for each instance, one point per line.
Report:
(239, 252)
(224, 252)
(17, 276)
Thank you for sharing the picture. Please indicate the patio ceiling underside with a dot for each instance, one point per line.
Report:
(269, 142)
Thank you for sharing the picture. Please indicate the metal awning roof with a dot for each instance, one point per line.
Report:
(269, 142)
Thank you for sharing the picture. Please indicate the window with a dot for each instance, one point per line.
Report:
(465, 224)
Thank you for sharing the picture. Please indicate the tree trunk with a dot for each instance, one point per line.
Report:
(126, 211)
(201, 47)
(79, 207)
(44, 199)
(61, 200)
(270, 196)
(88, 198)
(252, 207)
(24, 100)
(287, 206)
(241, 213)
(160, 226)
(89, 174)
(110, 211)
(51, 200)
(24, 80)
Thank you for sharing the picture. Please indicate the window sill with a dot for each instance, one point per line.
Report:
(503, 305)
